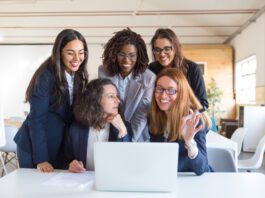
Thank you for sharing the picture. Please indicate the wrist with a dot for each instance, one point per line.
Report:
(192, 148)
(122, 133)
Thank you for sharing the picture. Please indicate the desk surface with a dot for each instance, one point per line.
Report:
(28, 183)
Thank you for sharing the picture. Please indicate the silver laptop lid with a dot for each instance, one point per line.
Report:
(148, 167)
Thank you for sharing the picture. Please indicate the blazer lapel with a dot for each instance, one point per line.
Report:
(133, 95)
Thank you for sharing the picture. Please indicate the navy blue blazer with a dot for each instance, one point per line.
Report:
(199, 165)
(42, 132)
(75, 145)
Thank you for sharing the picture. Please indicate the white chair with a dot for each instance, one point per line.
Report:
(8, 147)
(238, 137)
(255, 161)
(221, 160)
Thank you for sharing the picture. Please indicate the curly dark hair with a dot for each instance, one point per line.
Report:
(87, 106)
(115, 44)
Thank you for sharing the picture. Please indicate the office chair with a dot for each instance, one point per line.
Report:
(221, 160)
(238, 137)
(255, 161)
(8, 147)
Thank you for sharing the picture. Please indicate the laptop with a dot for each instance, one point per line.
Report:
(141, 167)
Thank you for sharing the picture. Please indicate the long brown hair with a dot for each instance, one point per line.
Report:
(185, 100)
(115, 44)
(87, 107)
(179, 60)
(56, 66)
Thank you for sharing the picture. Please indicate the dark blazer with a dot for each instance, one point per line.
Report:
(42, 132)
(199, 165)
(75, 145)
(194, 77)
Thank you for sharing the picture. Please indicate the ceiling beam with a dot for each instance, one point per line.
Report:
(245, 25)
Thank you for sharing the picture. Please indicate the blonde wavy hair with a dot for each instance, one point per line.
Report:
(160, 121)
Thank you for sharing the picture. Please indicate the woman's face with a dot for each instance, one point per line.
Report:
(110, 100)
(164, 52)
(73, 55)
(165, 93)
(127, 58)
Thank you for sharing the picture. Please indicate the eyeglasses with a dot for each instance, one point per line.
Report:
(170, 91)
(72, 55)
(165, 50)
(122, 55)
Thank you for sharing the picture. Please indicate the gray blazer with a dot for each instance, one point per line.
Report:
(137, 102)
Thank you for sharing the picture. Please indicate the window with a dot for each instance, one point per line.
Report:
(246, 81)
(203, 67)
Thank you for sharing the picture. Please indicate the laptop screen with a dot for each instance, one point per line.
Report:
(131, 166)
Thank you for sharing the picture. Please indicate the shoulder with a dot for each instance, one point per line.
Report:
(147, 78)
(44, 83)
(103, 72)
(193, 67)
(46, 76)
(155, 67)
(77, 128)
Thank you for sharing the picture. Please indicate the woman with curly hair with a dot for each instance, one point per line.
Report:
(51, 93)
(97, 120)
(168, 54)
(125, 62)
(175, 117)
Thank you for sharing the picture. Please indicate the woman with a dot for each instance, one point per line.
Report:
(97, 120)
(175, 117)
(125, 62)
(167, 53)
(51, 93)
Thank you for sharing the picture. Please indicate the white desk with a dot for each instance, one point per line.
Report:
(215, 140)
(27, 183)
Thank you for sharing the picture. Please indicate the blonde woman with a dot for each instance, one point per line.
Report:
(175, 117)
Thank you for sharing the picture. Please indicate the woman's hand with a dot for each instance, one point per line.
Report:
(118, 123)
(45, 167)
(189, 126)
(76, 167)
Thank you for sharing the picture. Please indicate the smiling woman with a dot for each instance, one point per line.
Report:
(51, 94)
(125, 62)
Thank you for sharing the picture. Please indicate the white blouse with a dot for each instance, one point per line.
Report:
(95, 136)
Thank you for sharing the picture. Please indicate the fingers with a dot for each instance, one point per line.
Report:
(76, 167)
(45, 167)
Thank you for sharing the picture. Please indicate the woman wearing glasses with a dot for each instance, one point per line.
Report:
(175, 117)
(51, 93)
(167, 53)
(125, 62)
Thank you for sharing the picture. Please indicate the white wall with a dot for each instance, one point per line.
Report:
(19, 62)
(252, 41)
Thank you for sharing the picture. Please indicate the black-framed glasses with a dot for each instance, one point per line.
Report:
(131, 56)
(165, 50)
(170, 91)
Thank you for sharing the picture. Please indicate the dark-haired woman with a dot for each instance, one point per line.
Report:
(168, 53)
(125, 62)
(97, 120)
(50, 93)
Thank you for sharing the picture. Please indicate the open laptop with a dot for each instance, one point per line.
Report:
(150, 167)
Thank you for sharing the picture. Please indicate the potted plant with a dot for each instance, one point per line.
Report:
(214, 94)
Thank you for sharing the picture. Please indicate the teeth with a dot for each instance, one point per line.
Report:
(164, 101)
